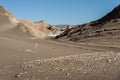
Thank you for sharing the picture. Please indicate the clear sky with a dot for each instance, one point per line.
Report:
(60, 11)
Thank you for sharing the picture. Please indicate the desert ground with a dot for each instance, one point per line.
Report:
(28, 58)
(89, 51)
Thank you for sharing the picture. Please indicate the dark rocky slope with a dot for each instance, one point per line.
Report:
(108, 25)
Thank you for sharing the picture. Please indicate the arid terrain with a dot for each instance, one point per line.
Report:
(29, 59)
(85, 52)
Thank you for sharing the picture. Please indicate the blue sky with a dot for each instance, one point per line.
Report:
(60, 11)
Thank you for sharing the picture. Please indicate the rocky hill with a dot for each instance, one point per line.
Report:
(7, 19)
(8, 23)
(109, 25)
(38, 29)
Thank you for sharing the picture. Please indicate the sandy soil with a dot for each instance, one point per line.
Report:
(95, 66)
(25, 58)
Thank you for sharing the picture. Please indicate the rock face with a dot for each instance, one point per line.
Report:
(37, 29)
(114, 14)
(7, 20)
(107, 25)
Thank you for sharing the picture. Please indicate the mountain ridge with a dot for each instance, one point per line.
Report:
(100, 27)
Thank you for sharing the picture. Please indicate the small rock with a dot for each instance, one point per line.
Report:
(108, 60)
(26, 72)
(18, 75)
(115, 58)
(84, 72)
(61, 70)
(21, 66)
(28, 50)
(67, 74)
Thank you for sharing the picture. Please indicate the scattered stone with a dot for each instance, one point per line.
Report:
(61, 70)
(85, 72)
(26, 72)
(115, 58)
(18, 75)
(28, 50)
(108, 60)
(67, 74)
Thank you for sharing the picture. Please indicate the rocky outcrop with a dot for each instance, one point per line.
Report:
(37, 29)
(114, 14)
(107, 25)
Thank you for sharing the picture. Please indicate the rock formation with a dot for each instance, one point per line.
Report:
(107, 25)
(37, 29)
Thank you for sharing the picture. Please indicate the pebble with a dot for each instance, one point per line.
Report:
(18, 75)
(115, 58)
(67, 74)
(61, 70)
(28, 50)
(108, 60)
